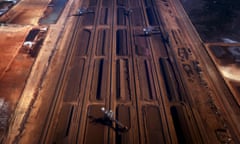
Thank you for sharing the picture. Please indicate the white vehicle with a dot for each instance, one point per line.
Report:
(108, 115)
(151, 30)
(28, 44)
(82, 11)
(148, 30)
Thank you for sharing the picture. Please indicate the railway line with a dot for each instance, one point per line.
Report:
(97, 76)
(154, 84)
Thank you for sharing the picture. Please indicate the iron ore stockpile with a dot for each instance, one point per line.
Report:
(133, 72)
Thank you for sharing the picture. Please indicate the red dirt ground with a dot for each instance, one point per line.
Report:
(14, 69)
(12, 64)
